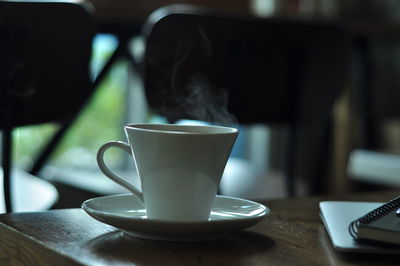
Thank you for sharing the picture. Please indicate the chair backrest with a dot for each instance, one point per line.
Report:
(45, 50)
(271, 71)
(203, 66)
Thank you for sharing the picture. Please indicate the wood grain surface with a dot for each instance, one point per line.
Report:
(292, 235)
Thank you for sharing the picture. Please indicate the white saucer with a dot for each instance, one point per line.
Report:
(126, 212)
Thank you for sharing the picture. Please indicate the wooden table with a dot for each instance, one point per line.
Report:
(292, 235)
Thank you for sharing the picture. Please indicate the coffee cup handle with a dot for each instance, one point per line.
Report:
(107, 172)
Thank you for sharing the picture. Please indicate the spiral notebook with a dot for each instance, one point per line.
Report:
(380, 226)
(337, 216)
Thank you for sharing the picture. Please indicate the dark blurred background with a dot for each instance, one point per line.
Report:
(364, 139)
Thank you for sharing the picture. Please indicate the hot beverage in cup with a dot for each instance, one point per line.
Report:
(179, 166)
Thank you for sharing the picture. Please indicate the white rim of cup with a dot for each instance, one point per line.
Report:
(157, 128)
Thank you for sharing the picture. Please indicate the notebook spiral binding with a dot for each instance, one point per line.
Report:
(374, 215)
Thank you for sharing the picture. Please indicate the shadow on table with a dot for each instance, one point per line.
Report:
(117, 246)
(369, 259)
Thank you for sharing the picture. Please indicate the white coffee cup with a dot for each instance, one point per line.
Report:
(179, 166)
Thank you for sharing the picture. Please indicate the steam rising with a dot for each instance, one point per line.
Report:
(186, 90)
(182, 77)
(206, 104)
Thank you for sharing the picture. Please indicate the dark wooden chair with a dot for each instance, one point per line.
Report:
(204, 66)
(45, 49)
